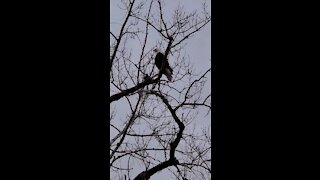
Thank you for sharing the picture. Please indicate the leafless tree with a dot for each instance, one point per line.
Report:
(153, 121)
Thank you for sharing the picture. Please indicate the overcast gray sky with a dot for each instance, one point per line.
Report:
(198, 49)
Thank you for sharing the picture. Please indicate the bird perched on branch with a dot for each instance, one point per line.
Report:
(163, 64)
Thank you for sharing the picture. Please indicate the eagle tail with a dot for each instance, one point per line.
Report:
(168, 73)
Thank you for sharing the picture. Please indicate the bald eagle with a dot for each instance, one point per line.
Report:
(161, 60)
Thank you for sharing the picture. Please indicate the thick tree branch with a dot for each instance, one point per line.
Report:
(126, 92)
(173, 145)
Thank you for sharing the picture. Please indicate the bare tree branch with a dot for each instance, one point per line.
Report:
(173, 145)
(155, 128)
(121, 34)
